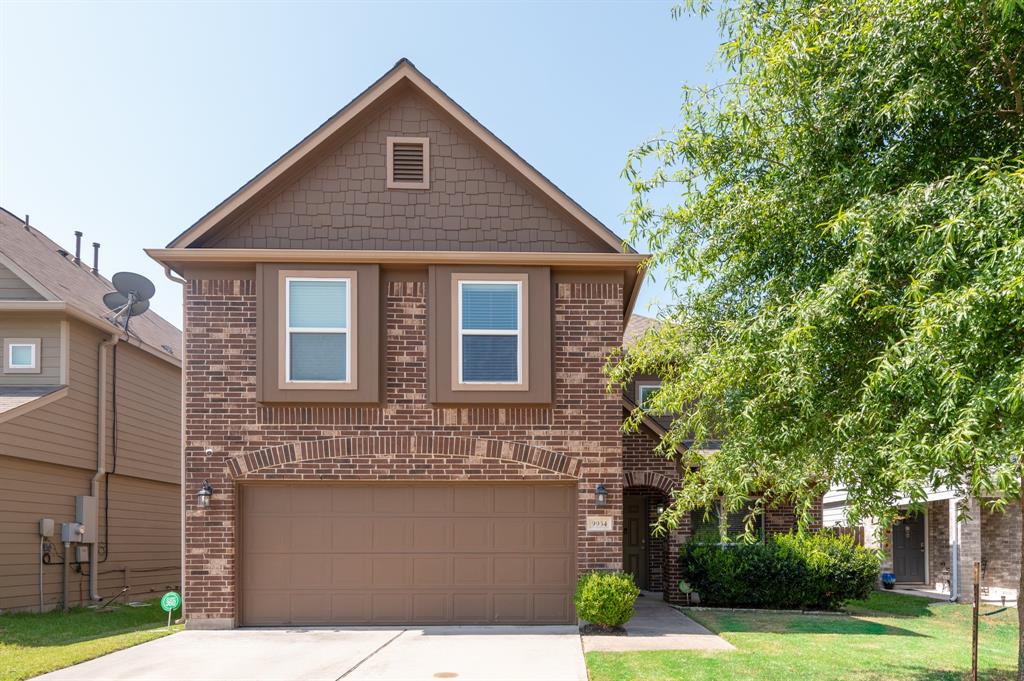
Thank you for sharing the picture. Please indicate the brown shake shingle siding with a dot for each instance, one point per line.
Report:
(473, 202)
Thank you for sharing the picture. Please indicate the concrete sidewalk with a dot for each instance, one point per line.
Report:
(658, 626)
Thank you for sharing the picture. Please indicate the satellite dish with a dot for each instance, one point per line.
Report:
(134, 285)
(131, 297)
(118, 301)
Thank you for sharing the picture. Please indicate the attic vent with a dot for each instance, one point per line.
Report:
(408, 163)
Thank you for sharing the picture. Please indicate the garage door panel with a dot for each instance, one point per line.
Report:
(511, 570)
(392, 534)
(471, 607)
(351, 534)
(315, 500)
(430, 500)
(431, 571)
(552, 571)
(512, 534)
(309, 534)
(392, 500)
(432, 534)
(513, 499)
(391, 571)
(351, 499)
(395, 554)
(310, 572)
(471, 571)
(474, 501)
(267, 572)
(350, 608)
(471, 534)
(552, 535)
(350, 571)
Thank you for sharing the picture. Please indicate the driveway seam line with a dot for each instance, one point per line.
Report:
(382, 646)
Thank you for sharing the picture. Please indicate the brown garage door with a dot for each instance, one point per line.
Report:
(407, 553)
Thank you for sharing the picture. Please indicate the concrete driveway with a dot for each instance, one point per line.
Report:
(386, 654)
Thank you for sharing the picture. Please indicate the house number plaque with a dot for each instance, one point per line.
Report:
(599, 523)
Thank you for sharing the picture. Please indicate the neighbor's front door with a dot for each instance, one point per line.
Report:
(634, 540)
(908, 549)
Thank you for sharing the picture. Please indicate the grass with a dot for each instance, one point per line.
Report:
(32, 643)
(888, 636)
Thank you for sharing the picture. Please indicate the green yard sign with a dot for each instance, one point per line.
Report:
(170, 602)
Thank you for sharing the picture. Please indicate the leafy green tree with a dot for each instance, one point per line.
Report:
(841, 221)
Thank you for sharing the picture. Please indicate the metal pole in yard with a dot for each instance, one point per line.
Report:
(974, 622)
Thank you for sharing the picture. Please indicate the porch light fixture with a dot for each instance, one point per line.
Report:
(204, 494)
(600, 495)
(660, 508)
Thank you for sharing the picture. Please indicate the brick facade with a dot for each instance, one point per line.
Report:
(404, 438)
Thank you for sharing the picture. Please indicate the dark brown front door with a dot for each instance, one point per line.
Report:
(908, 549)
(404, 553)
(635, 536)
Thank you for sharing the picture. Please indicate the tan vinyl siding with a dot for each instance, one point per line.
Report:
(12, 287)
(149, 416)
(144, 534)
(47, 329)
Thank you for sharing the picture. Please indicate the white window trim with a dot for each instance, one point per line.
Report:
(289, 330)
(35, 347)
(518, 332)
(640, 392)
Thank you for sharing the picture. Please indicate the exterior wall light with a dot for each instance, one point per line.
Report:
(204, 494)
(600, 495)
(660, 508)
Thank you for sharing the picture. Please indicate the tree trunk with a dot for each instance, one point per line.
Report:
(1020, 590)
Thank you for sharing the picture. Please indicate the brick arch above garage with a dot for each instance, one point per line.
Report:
(403, 457)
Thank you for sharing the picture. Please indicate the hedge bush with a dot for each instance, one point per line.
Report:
(820, 571)
(605, 598)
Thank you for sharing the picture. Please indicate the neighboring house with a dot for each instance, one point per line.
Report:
(650, 479)
(57, 345)
(936, 550)
(395, 409)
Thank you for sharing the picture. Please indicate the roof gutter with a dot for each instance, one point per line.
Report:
(59, 306)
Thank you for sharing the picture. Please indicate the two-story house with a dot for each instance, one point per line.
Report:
(90, 431)
(395, 409)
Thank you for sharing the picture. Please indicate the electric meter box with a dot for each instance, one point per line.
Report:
(87, 515)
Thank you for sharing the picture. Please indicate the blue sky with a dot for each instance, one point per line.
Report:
(130, 121)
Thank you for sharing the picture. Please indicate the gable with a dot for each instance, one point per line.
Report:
(473, 203)
(13, 287)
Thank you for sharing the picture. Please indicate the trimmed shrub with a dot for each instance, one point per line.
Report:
(605, 598)
(819, 571)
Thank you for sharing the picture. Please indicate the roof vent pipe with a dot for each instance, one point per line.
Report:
(28, 228)
(78, 247)
(95, 258)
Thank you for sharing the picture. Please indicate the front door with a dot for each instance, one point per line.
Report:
(908, 549)
(634, 541)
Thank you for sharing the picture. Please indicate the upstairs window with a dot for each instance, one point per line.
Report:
(644, 393)
(21, 355)
(490, 332)
(318, 334)
(408, 163)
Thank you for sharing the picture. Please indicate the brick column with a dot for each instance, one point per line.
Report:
(968, 547)
(673, 573)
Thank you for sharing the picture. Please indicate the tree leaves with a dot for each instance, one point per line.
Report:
(849, 248)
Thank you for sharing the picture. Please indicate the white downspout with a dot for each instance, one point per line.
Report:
(954, 552)
(101, 455)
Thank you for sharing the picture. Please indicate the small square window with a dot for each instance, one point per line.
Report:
(21, 355)
(490, 332)
(318, 342)
(645, 393)
(408, 162)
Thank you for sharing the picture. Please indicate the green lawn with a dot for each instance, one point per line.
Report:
(889, 636)
(32, 644)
